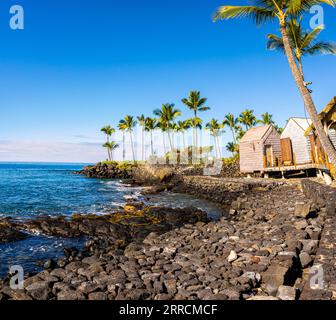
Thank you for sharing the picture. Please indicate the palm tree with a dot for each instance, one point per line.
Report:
(283, 11)
(231, 122)
(108, 130)
(267, 118)
(183, 126)
(122, 128)
(215, 130)
(129, 123)
(196, 104)
(231, 147)
(111, 146)
(167, 114)
(248, 119)
(239, 132)
(303, 43)
(142, 123)
(150, 126)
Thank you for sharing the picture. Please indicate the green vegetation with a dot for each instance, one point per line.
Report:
(167, 122)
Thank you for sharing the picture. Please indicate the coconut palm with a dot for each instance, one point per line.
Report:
(196, 104)
(267, 118)
(231, 147)
(142, 123)
(108, 130)
(239, 132)
(129, 123)
(283, 11)
(248, 119)
(167, 114)
(111, 146)
(215, 130)
(231, 121)
(122, 128)
(303, 43)
(150, 126)
(184, 126)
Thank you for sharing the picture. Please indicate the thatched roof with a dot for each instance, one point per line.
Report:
(328, 114)
(256, 133)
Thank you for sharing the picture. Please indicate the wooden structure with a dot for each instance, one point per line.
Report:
(259, 148)
(295, 145)
(328, 119)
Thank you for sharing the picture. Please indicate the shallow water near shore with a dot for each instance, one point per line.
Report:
(35, 190)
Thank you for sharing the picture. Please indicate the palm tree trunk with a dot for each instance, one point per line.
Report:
(131, 137)
(170, 140)
(308, 101)
(233, 135)
(143, 145)
(184, 140)
(108, 150)
(216, 149)
(152, 149)
(111, 155)
(195, 137)
(124, 150)
(219, 150)
(164, 143)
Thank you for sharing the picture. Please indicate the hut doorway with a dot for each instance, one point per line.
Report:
(269, 155)
(287, 151)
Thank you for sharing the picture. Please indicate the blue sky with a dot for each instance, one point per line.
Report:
(79, 65)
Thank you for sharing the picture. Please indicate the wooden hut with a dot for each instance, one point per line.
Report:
(295, 145)
(328, 119)
(259, 148)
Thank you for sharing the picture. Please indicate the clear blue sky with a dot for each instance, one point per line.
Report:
(79, 65)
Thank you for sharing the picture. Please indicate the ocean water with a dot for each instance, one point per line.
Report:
(30, 190)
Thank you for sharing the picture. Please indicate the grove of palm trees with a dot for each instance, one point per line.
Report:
(174, 129)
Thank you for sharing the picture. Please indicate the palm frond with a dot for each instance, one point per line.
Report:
(259, 15)
(275, 42)
(322, 48)
(297, 7)
(311, 37)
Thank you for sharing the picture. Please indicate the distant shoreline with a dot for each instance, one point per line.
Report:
(48, 163)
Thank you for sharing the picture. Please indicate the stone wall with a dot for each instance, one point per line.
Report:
(325, 262)
(223, 191)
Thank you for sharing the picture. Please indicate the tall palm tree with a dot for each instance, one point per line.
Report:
(267, 118)
(215, 130)
(239, 132)
(196, 104)
(150, 126)
(111, 146)
(283, 11)
(122, 128)
(231, 147)
(183, 126)
(142, 123)
(129, 123)
(108, 130)
(248, 119)
(231, 121)
(303, 43)
(167, 114)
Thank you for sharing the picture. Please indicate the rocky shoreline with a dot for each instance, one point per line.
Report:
(275, 234)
